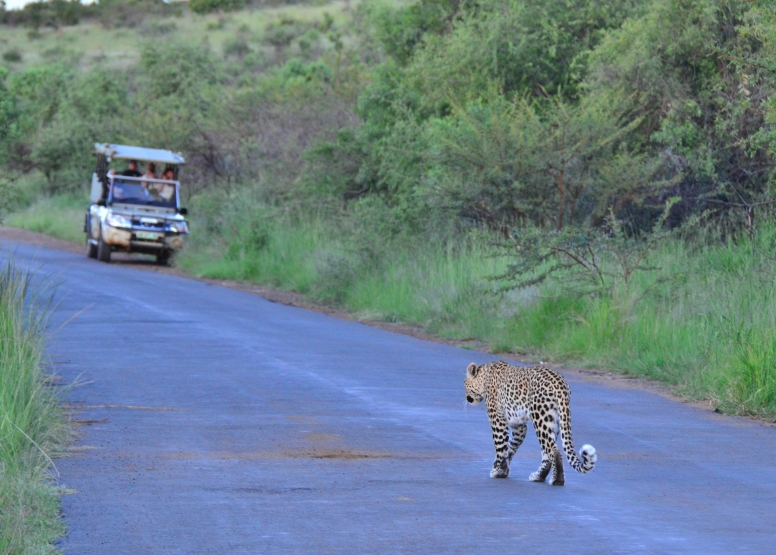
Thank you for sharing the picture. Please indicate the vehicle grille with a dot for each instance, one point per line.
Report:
(158, 226)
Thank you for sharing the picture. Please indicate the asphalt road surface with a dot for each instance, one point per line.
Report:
(215, 421)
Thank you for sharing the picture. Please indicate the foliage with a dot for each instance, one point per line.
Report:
(701, 103)
(527, 47)
(207, 6)
(93, 107)
(13, 55)
(12, 132)
(62, 13)
(510, 163)
(589, 260)
(400, 30)
(236, 46)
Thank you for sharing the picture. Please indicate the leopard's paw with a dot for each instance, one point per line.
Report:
(500, 472)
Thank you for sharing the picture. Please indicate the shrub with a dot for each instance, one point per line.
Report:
(176, 68)
(282, 33)
(14, 55)
(208, 6)
(236, 46)
(157, 29)
(131, 13)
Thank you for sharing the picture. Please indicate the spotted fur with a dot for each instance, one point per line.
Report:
(514, 395)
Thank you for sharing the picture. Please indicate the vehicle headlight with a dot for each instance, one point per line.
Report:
(179, 227)
(114, 220)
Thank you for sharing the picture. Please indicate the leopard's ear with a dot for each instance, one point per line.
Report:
(471, 370)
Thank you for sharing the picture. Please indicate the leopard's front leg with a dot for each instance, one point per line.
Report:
(500, 429)
(518, 435)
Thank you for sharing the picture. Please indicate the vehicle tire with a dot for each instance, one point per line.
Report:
(163, 258)
(103, 251)
(91, 250)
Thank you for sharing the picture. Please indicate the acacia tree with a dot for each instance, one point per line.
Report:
(553, 165)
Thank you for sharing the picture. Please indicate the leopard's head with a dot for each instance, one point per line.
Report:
(475, 383)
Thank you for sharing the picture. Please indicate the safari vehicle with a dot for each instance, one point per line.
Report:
(135, 214)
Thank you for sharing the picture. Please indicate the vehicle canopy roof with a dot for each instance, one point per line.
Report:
(124, 152)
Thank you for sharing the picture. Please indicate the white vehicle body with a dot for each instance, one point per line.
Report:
(134, 214)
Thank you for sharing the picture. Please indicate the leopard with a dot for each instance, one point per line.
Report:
(514, 395)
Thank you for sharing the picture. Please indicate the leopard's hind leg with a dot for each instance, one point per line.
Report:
(546, 430)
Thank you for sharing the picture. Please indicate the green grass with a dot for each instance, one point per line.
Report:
(58, 216)
(32, 429)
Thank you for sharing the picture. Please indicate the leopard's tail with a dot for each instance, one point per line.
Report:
(583, 463)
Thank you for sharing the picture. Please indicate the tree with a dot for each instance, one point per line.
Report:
(510, 163)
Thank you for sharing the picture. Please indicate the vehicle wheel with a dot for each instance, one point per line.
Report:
(91, 250)
(163, 258)
(103, 251)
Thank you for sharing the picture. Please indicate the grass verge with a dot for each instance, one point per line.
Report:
(32, 429)
(60, 216)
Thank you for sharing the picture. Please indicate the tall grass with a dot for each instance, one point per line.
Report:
(59, 216)
(31, 426)
(704, 322)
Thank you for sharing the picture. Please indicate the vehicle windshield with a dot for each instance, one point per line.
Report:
(144, 191)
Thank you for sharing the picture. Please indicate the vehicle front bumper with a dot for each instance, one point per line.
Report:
(128, 240)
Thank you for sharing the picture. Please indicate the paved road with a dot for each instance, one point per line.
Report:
(223, 423)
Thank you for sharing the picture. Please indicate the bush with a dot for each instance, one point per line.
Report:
(130, 13)
(236, 46)
(207, 6)
(281, 34)
(176, 69)
(14, 55)
(158, 29)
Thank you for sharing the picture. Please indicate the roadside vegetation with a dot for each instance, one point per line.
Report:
(588, 182)
(32, 430)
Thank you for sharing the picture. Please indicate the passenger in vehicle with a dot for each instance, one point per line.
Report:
(149, 188)
(131, 171)
(150, 172)
(166, 191)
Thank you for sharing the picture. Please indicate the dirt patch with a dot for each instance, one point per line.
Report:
(342, 455)
(126, 407)
(326, 454)
(318, 437)
(78, 422)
